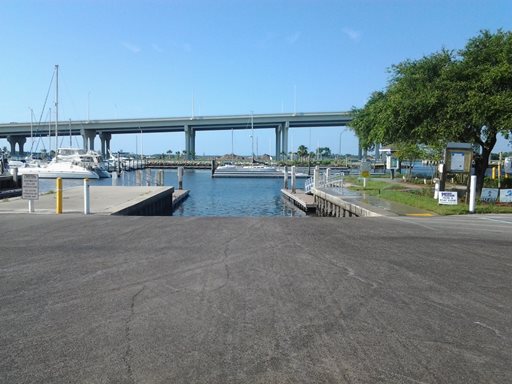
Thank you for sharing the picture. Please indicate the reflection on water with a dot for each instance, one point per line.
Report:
(208, 196)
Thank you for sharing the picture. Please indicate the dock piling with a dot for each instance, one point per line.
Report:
(15, 177)
(180, 178)
(293, 179)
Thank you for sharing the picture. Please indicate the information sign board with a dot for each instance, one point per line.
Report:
(30, 189)
(447, 198)
(457, 162)
(489, 195)
(505, 195)
(458, 157)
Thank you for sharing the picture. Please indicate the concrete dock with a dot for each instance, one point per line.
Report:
(130, 299)
(103, 201)
(300, 199)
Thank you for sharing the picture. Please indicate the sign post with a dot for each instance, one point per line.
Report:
(30, 190)
(366, 167)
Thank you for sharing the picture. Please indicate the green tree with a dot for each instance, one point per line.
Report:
(302, 151)
(464, 96)
(324, 152)
(410, 153)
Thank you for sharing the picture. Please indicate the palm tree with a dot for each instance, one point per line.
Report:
(302, 151)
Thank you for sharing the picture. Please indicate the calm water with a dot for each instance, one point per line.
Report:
(209, 196)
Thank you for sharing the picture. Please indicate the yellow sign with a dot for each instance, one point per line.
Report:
(365, 174)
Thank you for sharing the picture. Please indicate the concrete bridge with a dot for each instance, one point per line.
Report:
(17, 133)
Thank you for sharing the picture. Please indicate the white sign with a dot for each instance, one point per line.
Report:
(505, 195)
(30, 190)
(448, 198)
(489, 195)
(457, 162)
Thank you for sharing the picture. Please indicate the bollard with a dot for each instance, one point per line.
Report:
(436, 190)
(472, 194)
(293, 179)
(31, 206)
(180, 178)
(285, 177)
(87, 201)
(493, 176)
(58, 186)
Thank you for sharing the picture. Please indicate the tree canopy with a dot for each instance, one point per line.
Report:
(446, 96)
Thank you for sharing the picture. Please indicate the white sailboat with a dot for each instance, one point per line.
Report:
(59, 167)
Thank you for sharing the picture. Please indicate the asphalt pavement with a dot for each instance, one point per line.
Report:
(109, 299)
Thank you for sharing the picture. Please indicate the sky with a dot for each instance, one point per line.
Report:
(142, 59)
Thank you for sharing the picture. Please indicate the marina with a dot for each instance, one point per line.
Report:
(207, 196)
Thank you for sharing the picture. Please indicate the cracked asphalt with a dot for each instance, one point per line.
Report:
(255, 300)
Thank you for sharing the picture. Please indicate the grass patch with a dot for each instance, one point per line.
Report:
(421, 198)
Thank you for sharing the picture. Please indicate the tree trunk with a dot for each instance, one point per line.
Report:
(482, 162)
(480, 167)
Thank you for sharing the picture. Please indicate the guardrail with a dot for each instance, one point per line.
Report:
(325, 180)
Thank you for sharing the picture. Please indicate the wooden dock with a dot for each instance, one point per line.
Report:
(300, 199)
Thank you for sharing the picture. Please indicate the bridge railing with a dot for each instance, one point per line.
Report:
(325, 180)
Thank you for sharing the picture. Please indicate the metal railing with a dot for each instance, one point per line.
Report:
(325, 180)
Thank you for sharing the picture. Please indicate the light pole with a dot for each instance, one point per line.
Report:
(341, 134)
(31, 130)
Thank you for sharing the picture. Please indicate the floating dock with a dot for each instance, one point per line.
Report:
(135, 201)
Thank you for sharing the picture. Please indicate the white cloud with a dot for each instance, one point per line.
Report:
(131, 47)
(352, 34)
(292, 39)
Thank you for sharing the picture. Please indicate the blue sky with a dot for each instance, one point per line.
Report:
(129, 59)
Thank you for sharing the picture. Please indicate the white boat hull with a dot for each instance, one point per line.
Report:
(253, 171)
(55, 171)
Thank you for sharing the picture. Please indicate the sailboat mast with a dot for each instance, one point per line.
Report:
(56, 109)
(252, 136)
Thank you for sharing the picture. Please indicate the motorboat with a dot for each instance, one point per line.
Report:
(254, 170)
(88, 159)
(55, 169)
